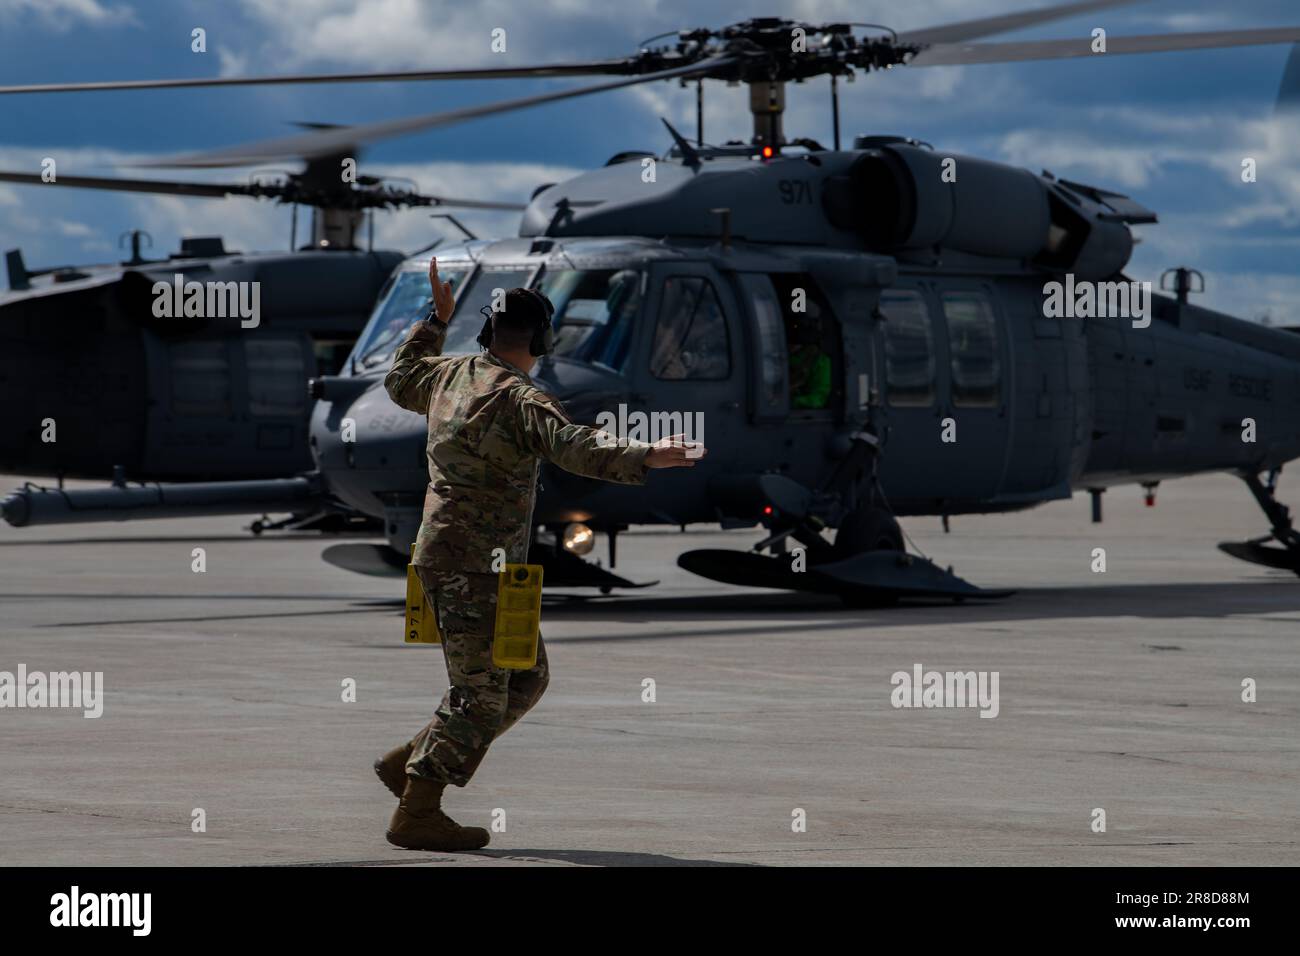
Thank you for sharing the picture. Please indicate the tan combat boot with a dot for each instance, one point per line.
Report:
(419, 824)
(391, 769)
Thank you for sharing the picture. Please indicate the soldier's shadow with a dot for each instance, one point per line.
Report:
(602, 858)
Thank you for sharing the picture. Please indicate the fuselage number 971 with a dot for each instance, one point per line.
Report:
(795, 191)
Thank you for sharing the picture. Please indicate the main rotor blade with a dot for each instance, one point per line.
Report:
(341, 142)
(986, 26)
(949, 54)
(220, 190)
(592, 68)
(1288, 91)
(468, 203)
(207, 190)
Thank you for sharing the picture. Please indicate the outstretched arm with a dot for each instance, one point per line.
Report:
(549, 433)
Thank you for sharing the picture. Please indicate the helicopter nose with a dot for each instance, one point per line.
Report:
(365, 431)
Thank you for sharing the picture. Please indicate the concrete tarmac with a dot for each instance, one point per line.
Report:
(1120, 691)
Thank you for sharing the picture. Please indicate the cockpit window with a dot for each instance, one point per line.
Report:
(405, 300)
(691, 338)
(462, 337)
(594, 312)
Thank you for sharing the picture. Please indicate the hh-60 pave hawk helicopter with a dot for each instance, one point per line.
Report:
(675, 294)
(206, 396)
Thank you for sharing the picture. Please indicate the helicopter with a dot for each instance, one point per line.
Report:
(954, 386)
(117, 389)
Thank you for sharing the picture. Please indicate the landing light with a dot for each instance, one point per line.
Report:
(578, 539)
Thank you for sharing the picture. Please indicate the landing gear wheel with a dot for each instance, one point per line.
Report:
(868, 529)
(871, 529)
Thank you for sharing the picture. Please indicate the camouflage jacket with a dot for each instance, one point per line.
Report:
(488, 427)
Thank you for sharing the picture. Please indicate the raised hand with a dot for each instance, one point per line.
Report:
(443, 300)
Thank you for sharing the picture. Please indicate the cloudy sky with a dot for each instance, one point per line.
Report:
(1169, 129)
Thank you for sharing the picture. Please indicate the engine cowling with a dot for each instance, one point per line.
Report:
(901, 197)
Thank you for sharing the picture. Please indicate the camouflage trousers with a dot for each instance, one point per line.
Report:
(483, 701)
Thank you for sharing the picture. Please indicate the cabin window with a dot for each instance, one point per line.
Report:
(594, 312)
(770, 323)
(973, 345)
(691, 338)
(909, 349)
(812, 342)
(200, 378)
(275, 377)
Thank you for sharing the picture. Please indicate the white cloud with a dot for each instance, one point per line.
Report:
(409, 34)
(1130, 166)
(913, 16)
(1200, 22)
(231, 63)
(1260, 214)
(62, 15)
(75, 230)
(940, 82)
(504, 182)
(1134, 147)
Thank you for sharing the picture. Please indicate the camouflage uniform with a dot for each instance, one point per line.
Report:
(489, 426)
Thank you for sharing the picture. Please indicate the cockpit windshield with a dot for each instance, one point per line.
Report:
(404, 301)
(594, 312)
(462, 337)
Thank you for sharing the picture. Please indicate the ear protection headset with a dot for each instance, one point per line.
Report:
(543, 340)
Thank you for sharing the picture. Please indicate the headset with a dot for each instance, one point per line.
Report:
(543, 341)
